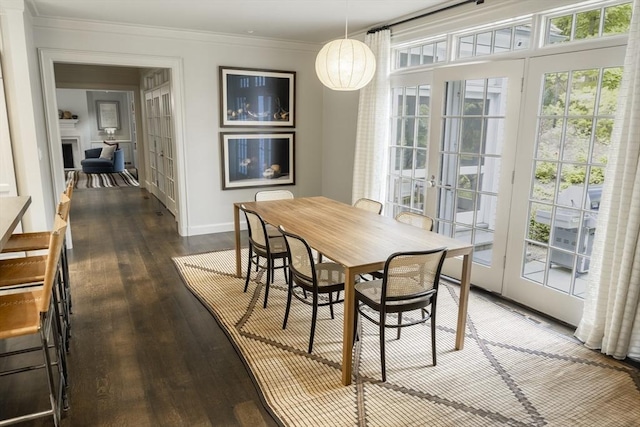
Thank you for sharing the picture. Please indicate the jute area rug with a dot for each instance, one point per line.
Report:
(83, 180)
(512, 370)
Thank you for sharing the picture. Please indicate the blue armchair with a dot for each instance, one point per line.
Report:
(93, 163)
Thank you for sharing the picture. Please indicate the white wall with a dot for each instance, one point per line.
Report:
(26, 115)
(338, 143)
(209, 208)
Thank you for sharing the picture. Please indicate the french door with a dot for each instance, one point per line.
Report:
(160, 145)
(474, 127)
(563, 148)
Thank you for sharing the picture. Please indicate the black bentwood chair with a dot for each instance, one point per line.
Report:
(320, 278)
(263, 246)
(410, 282)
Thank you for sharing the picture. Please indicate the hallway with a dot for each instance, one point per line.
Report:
(144, 351)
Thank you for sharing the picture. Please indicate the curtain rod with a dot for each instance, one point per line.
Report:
(451, 6)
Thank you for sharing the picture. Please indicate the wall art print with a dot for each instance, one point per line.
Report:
(257, 98)
(257, 159)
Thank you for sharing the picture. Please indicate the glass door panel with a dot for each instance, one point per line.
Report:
(479, 113)
(571, 103)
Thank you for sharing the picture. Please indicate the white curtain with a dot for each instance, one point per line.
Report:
(370, 165)
(611, 318)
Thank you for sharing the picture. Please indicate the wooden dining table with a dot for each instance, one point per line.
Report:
(12, 208)
(361, 242)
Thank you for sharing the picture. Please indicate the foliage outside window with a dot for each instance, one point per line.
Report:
(574, 135)
(586, 24)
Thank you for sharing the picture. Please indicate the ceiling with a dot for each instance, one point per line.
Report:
(313, 21)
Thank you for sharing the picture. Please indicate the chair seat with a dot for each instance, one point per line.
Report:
(19, 314)
(372, 291)
(23, 242)
(16, 271)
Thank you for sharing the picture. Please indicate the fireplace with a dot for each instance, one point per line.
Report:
(67, 155)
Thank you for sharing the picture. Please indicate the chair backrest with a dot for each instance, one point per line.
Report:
(301, 261)
(411, 275)
(417, 220)
(53, 257)
(273, 195)
(257, 228)
(64, 205)
(69, 190)
(368, 205)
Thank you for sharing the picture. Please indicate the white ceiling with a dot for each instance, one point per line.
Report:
(315, 21)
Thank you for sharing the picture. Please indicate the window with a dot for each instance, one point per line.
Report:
(493, 41)
(409, 142)
(586, 24)
(421, 54)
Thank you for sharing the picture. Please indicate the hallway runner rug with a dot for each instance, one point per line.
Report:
(101, 180)
(512, 371)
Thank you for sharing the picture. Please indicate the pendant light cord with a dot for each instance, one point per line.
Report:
(346, 20)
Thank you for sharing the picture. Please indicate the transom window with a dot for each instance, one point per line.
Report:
(493, 41)
(431, 52)
(586, 24)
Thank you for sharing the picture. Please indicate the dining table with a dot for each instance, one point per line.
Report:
(12, 208)
(361, 242)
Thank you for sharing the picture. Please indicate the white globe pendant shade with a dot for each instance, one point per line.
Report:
(345, 64)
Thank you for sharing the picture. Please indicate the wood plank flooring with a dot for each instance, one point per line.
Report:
(144, 351)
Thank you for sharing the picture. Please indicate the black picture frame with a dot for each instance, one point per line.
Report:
(257, 159)
(251, 97)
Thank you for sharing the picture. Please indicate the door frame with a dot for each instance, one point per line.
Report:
(50, 56)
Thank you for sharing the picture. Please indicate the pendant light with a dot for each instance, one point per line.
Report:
(345, 64)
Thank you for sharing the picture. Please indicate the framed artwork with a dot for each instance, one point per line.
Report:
(108, 114)
(257, 159)
(261, 98)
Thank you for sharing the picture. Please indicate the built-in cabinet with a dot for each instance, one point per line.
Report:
(159, 137)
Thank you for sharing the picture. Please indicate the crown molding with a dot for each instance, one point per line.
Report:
(170, 33)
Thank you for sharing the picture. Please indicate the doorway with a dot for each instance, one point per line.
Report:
(49, 57)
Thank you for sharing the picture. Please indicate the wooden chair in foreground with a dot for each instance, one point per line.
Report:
(369, 205)
(263, 246)
(39, 241)
(315, 278)
(410, 282)
(35, 314)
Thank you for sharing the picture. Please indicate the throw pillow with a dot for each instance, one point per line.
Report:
(107, 152)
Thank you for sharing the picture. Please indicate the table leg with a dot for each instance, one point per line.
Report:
(347, 335)
(236, 227)
(465, 285)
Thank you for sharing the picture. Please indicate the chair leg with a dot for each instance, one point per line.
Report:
(313, 321)
(331, 304)
(289, 295)
(269, 278)
(382, 358)
(433, 339)
(246, 283)
(399, 323)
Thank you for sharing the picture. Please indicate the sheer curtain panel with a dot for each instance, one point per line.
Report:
(370, 165)
(611, 318)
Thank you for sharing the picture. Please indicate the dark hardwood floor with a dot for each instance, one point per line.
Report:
(144, 351)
